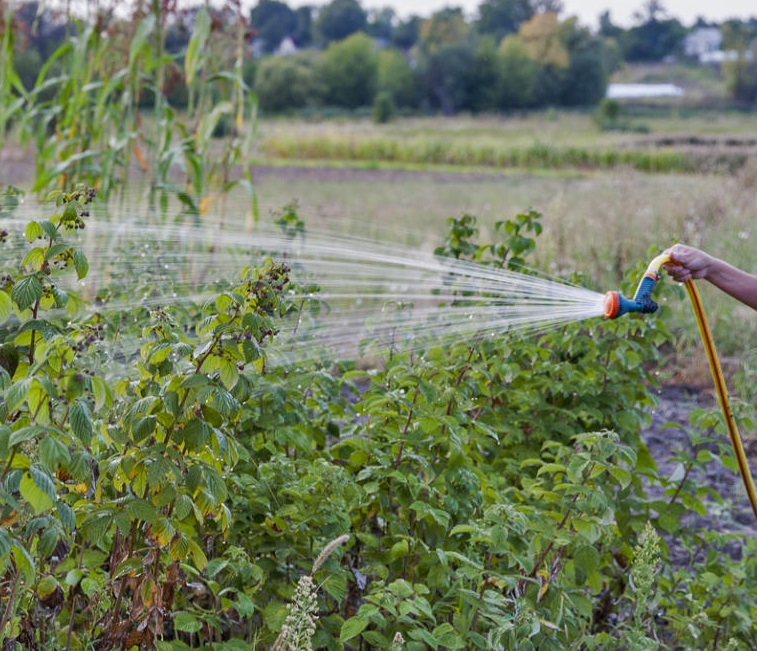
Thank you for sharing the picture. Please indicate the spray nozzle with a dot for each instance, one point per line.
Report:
(616, 304)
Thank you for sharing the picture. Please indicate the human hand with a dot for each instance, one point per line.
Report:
(687, 263)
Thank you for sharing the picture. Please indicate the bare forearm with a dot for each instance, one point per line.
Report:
(735, 282)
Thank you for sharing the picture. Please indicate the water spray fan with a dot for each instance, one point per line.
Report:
(616, 305)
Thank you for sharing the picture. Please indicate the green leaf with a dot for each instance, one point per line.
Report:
(26, 291)
(25, 434)
(53, 452)
(179, 548)
(46, 586)
(5, 542)
(74, 577)
(47, 542)
(56, 250)
(621, 474)
(224, 402)
(251, 350)
(141, 510)
(140, 38)
(196, 44)
(66, 515)
(194, 381)
(24, 562)
(5, 434)
(182, 507)
(90, 586)
(129, 566)
(551, 468)
(401, 588)
(95, 526)
(50, 229)
(447, 637)
(143, 426)
(81, 421)
(70, 213)
(37, 496)
(6, 306)
(425, 636)
(198, 556)
(33, 231)
(352, 627)
(187, 623)
(229, 374)
(399, 550)
(586, 559)
(195, 433)
(215, 484)
(81, 264)
(102, 392)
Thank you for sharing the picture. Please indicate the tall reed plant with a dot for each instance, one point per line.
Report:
(98, 112)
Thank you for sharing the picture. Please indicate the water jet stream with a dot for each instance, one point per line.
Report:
(354, 289)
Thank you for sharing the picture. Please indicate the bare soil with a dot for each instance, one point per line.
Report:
(16, 166)
(663, 440)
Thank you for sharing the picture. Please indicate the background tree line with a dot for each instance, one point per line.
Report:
(515, 54)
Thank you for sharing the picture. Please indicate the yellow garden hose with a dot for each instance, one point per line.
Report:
(616, 304)
(720, 388)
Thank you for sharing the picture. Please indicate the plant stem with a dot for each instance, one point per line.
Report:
(11, 603)
(35, 311)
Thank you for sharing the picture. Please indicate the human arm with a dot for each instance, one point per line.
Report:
(687, 263)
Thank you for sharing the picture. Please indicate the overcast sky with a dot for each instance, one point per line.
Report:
(587, 11)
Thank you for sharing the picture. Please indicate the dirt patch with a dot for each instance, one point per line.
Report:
(664, 440)
(16, 166)
(323, 171)
(701, 141)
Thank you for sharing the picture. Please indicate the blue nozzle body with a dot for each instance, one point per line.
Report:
(617, 305)
(643, 296)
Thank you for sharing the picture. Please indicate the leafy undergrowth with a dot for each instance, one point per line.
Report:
(484, 495)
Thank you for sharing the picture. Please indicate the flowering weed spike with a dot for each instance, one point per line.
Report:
(299, 626)
(327, 550)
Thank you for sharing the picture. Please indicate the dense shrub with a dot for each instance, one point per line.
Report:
(349, 72)
(486, 494)
(384, 108)
(287, 83)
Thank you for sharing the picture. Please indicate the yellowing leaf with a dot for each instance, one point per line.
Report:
(140, 157)
(163, 531)
(206, 203)
(46, 586)
(38, 496)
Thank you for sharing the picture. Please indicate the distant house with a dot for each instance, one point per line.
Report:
(702, 43)
(721, 56)
(638, 91)
(286, 47)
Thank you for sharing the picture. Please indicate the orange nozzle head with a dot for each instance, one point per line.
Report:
(612, 305)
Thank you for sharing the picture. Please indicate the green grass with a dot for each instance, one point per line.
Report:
(533, 141)
(565, 129)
